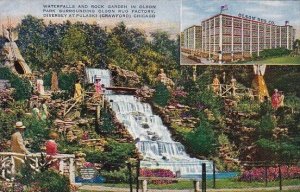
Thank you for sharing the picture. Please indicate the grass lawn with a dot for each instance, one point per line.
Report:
(281, 60)
(231, 191)
(220, 184)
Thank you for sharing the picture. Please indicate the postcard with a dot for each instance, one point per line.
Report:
(130, 95)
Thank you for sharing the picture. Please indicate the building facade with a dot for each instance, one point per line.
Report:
(181, 39)
(226, 35)
(193, 37)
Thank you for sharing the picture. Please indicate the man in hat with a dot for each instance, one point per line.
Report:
(17, 143)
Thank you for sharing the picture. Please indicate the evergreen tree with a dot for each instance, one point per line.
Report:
(161, 95)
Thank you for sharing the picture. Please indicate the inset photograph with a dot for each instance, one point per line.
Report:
(239, 32)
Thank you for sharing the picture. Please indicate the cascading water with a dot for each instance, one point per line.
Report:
(153, 138)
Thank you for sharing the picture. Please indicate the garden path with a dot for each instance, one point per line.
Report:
(113, 189)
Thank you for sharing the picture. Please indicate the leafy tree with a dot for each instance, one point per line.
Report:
(74, 45)
(169, 48)
(32, 41)
(120, 56)
(67, 81)
(132, 39)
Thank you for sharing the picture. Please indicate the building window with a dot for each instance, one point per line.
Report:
(246, 32)
(246, 39)
(254, 47)
(237, 32)
(237, 48)
(226, 39)
(237, 40)
(246, 47)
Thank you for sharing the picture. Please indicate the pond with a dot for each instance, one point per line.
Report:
(219, 175)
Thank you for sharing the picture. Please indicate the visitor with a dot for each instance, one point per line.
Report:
(233, 85)
(36, 112)
(17, 144)
(224, 77)
(98, 88)
(40, 86)
(51, 150)
(70, 136)
(162, 77)
(281, 99)
(78, 91)
(44, 110)
(216, 85)
(51, 145)
(85, 135)
(276, 99)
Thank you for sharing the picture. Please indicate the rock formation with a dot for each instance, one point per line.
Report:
(124, 78)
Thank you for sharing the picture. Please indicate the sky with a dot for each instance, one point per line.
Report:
(194, 11)
(167, 13)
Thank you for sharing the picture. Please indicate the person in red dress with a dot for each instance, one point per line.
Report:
(98, 88)
(51, 150)
(276, 99)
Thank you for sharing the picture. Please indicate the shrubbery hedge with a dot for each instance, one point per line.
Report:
(22, 86)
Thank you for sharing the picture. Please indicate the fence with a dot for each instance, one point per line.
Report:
(202, 180)
(8, 161)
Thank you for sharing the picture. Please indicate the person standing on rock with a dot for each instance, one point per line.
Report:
(98, 88)
(216, 84)
(17, 144)
(36, 112)
(44, 110)
(78, 91)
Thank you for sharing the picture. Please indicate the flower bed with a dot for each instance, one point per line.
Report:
(157, 173)
(258, 174)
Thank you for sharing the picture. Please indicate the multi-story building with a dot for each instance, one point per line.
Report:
(226, 36)
(193, 37)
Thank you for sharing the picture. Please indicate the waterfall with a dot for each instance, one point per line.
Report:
(153, 138)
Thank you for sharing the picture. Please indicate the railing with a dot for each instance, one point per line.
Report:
(224, 90)
(66, 103)
(8, 164)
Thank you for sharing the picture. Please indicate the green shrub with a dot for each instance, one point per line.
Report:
(247, 105)
(37, 131)
(267, 124)
(114, 155)
(6, 124)
(22, 86)
(51, 181)
(64, 95)
(44, 181)
(8, 119)
(277, 52)
(161, 95)
(107, 125)
(202, 141)
(117, 176)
